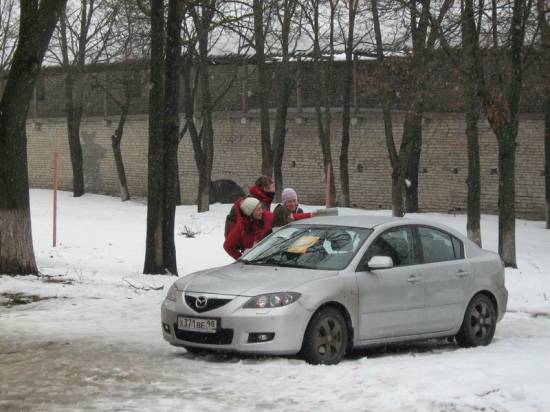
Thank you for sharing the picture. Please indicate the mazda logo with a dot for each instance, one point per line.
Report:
(200, 302)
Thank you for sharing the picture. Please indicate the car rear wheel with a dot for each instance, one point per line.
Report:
(478, 326)
(326, 338)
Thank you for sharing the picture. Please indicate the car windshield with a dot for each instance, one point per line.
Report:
(309, 246)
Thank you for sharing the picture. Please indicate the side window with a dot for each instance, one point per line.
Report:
(458, 248)
(437, 246)
(395, 243)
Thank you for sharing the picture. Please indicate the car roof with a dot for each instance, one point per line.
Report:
(374, 221)
(366, 221)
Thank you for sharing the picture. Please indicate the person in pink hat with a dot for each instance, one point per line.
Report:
(289, 199)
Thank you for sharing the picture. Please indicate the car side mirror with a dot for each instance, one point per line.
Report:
(380, 262)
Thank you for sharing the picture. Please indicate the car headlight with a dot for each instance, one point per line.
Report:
(271, 300)
(173, 293)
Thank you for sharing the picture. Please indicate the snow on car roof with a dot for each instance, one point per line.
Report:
(372, 221)
(366, 221)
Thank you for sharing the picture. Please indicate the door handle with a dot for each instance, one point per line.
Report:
(414, 279)
(461, 274)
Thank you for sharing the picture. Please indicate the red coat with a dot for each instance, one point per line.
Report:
(246, 232)
(265, 198)
(300, 216)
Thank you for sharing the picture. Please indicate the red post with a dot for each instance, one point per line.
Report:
(329, 185)
(55, 179)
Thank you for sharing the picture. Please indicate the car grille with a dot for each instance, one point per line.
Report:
(212, 303)
(221, 337)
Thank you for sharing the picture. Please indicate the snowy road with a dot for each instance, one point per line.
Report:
(55, 373)
(95, 342)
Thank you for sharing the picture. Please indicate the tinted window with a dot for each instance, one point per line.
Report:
(437, 246)
(395, 243)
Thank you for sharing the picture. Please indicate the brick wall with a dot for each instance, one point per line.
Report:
(237, 157)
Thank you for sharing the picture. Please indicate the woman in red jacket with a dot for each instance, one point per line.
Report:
(264, 191)
(252, 225)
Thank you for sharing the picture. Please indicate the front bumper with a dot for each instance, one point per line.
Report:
(288, 323)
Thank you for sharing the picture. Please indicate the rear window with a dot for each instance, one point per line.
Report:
(439, 246)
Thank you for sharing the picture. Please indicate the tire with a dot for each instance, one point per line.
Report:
(326, 338)
(479, 324)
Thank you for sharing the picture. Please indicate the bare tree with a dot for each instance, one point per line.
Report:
(37, 22)
(209, 21)
(82, 37)
(160, 250)
(285, 11)
(8, 32)
(352, 7)
(544, 62)
(128, 47)
(273, 30)
(323, 71)
(470, 81)
(261, 12)
(463, 57)
(418, 42)
(396, 160)
(500, 93)
(202, 14)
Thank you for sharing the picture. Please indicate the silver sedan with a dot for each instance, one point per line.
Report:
(323, 286)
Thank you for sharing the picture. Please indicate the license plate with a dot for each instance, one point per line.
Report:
(197, 324)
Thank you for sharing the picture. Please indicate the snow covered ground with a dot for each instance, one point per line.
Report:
(96, 342)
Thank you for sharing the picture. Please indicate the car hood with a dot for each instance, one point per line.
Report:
(249, 280)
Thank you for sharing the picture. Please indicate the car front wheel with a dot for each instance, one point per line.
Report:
(326, 338)
(478, 326)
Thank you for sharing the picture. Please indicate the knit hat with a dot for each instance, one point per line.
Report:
(288, 194)
(248, 205)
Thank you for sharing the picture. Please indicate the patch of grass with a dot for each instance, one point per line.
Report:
(13, 299)
(56, 279)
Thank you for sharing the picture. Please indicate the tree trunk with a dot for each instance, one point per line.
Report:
(197, 96)
(16, 250)
(415, 134)
(116, 139)
(203, 198)
(279, 134)
(37, 22)
(324, 72)
(154, 247)
(547, 156)
(324, 120)
(73, 106)
(470, 82)
(171, 132)
(397, 192)
(544, 50)
(406, 153)
(344, 149)
(263, 86)
(74, 116)
(346, 107)
(178, 185)
(507, 195)
(279, 137)
(283, 84)
(473, 225)
(397, 180)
